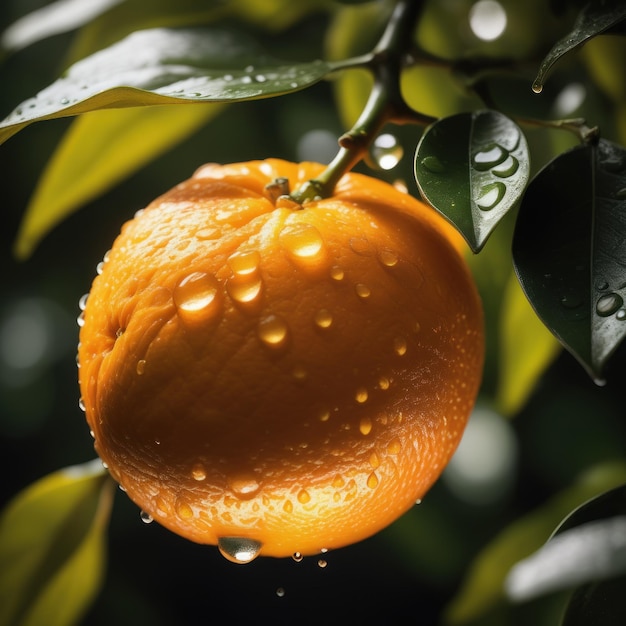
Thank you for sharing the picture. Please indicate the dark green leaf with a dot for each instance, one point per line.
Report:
(595, 18)
(166, 66)
(599, 603)
(568, 250)
(52, 19)
(473, 168)
(590, 552)
(482, 591)
(52, 538)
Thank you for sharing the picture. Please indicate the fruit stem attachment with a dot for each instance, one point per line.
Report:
(384, 105)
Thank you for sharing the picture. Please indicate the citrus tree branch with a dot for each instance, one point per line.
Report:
(384, 105)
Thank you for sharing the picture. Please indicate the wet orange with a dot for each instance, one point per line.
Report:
(276, 378)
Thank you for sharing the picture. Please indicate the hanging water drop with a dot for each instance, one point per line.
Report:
(273, 331)
(323, 318)
(297, 557)
(386, 151)
(146, 518)
(239, 549)
(196, 296)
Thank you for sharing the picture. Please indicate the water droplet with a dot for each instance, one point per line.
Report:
(324, 415)
(99, 268)
(388, 257)
(602, 285)
(244, 486)
(280, 592)
(304, 496)
(338, 481)
(246, 80)
(489, 157)
(239, 549)
(260, 78)
(361, 246)
(196, 294)
(82, 303)
(141, 367)
(65, 101)
(183, 509)
(146, 518)
(363, 291)
(490, 195)
(418, 501)
(386, 151)
(507, 168)
(365, 426)
(336, 273)
(302, 241)
(244, 262)
(361, 395)
(621, 315)
(609, 304)
(323, 318)
(537, 87)
(372, 481)
(273, 331)
(81, 404)
(394, 446)
(322, 563)
(374, 460)
(288, 506)
(198, 472)
(244, 289)
(400, 346)
(433, 165)
(297, 557)
(80, 320)
(383, 383)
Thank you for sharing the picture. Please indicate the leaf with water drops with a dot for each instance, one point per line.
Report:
(473, 168)
(52, 547)
(569, 250)
(594, 19)
(166, 66)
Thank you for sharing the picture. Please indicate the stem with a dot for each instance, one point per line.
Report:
(385, 103)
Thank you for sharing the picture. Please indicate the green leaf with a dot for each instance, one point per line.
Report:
(600, 603)
(568, 250)
(166, 66)
(526, 349)
(473, 168)
(58, 17)
(590, 552)
(52, 547)
(483, 589)
(595, 18)
(99, 150)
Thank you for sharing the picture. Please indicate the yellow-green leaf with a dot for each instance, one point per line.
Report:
(99, 150)
(483, 588)
(52, 547)
(527, 347)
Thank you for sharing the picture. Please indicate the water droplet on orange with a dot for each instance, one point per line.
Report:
(273, 331)
(337, 273)
(365, 426)
(244, 485)
(304, 496)
(323, 318)
(244, 262)
(394, 446)
(384, 383)
(183, 509)
(141, 367)
(244, 290)
(288, 506)
(388, 257)
(400, 346)
(239, 549)
(363, 291)
(361, 246)
(361, 395)
(324, 415)
(196, 295)
(198, 472)
(374, 460)
(302, 241)
(372, 481)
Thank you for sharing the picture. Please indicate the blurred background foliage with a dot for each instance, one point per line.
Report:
(544, 437)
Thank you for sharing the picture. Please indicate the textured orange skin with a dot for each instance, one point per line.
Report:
(313, 443)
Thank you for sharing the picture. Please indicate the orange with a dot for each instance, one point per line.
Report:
(275, 378)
